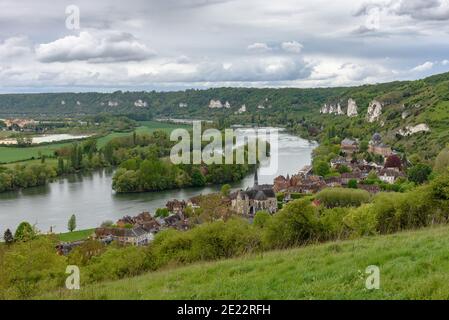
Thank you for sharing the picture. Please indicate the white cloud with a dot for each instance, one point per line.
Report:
(292, 46)
(14, 47)
(445, 62)
(259, 47)
(94, 46)
(423, 67)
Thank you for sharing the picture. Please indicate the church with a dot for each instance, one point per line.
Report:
(257, 198)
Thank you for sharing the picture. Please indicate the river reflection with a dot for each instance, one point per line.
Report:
(89, 196)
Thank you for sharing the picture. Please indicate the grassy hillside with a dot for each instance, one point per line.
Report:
(413, 265)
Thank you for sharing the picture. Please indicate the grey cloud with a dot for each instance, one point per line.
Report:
(436, 10)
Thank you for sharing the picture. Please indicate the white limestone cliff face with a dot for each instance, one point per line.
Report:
(78, 103)
(352, 108)
(242, 109)
(62, 102)
(339, 110)
(410, 130)
(112, 103)
(374, 111)
(332, 109)
(260, 107)
(324, 109)
(183, 105)
(405, 114)
(227, 105)
(140, 103)
(215, 104)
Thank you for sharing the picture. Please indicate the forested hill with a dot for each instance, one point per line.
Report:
(411, 115)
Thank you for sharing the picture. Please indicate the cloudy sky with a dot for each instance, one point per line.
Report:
(179, 44)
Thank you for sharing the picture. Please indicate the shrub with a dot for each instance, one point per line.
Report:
(340, 197)
(261, 219)
(118, 262)
(29, 268)
(419, 173)
(172, 246)
(219, 240)
(297, 223)
(332, 223)
(362, 221)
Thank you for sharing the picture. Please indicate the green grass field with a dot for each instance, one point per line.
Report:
(75, 235)
(413, 265)
(15, 154)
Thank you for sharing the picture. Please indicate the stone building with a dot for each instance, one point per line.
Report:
(349, 146)
(257, 198)
(376, 146)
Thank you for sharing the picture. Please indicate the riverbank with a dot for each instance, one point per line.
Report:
(89, 195)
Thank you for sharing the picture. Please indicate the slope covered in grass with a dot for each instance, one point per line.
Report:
(413, 265)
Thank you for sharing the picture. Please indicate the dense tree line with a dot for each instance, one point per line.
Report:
(25, 176)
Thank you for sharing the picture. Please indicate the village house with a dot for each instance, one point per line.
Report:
(390, 175)
(19, 124)
(281, 183)
(303, 182)
(333, 182)
(349, 146)
(376, 146)
(144, 220)
(176, 206)
(339, 162)
(257, 198)
(371, 188)
(309, 185)
(136, 236)
(356, 175)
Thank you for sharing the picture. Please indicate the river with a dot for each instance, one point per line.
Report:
(90, 197)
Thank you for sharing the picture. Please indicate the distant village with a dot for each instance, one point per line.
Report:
(141, 229)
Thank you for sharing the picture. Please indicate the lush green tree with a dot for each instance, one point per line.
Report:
(61, 168)
(8, 237)
(352, 184)
(25, 232)
(321, 168)
(225, 190)
(419, 173)
(442, 161)
(162, 213)
(198, 180)
(440, 189)
(71, 225)
(343, 169)
(393, 161)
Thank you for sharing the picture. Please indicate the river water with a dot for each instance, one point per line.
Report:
(90, 197)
